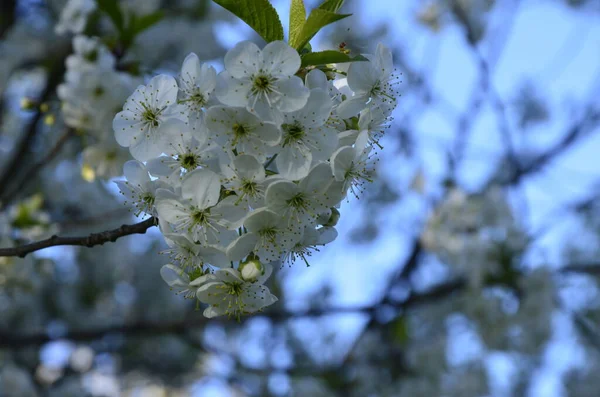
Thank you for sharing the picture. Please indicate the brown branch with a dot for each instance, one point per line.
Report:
(85, 241)
(28, 177)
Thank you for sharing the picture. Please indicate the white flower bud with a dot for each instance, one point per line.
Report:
(251, 270)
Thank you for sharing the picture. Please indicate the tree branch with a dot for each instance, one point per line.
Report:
(27, 178)
(12, 165)
(11, 339)
(86, 241)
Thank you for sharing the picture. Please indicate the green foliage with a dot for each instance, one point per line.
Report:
(258, 14)
(128, 28)
(331, 5)
(330, 56)
(112, 9)
(297, 20)
(317, 19)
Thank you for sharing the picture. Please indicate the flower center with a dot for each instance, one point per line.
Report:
(249, 187)
(298, 201)
(262, 84)
(293, 133)
(198, 98)
(189, 161)
(200, 217)
(98, 91)
(150, 117)
(268, 234)
(234, 289)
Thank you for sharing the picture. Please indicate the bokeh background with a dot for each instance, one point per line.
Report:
(468, 268)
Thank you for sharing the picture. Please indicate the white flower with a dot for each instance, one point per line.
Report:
(262, 81)
(372, 82)
(89, 53)
(185, 154)
(106, 159)
(268, 237)
(139, 188)
(302, 202)
(196, 83)
(375, 120)
(91, 102)
(352, 165)
(190, 255)
(308, 243)
(246, 176)
(198, 210)
(306, 139)
(150, 116)
(74, 15)
(228, 293)
(180, 281)
(237, 129)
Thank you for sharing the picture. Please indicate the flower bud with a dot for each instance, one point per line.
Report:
(333, 218)
(28, 104)
(251, 270)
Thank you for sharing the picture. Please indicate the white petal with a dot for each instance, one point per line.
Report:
(341, 161)
(249, 167)
(293, 94)
(231, 214)
(203, 187)
(147, 148)
(362, 77)
(174, 276)
(231, 91)
(136, 173)
(171, 210)
(165, 90)
(242, 246)
(352, 106)
(243, 60)
(279, 59)
(316, 79)
(327, 235)
(261, 218)
(293, 163)
(127, 127)
(318, 179)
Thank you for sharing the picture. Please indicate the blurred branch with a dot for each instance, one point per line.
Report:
(9, 339)
(36, 168)
(86, 241)
(7, 15)
(13, 340)
(576, 131)
(11, 168)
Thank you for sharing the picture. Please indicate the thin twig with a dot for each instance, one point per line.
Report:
(12, 165)
(86, 241)
(36, 168)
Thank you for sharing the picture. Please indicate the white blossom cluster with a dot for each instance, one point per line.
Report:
(472, 232)
(92, 92)
(245, 168)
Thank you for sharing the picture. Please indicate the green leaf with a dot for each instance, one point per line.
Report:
(331, 5)
(146, 21)
(112, 9)
(317, 19)
(330, 56)
(258, 14)
(297, 20)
